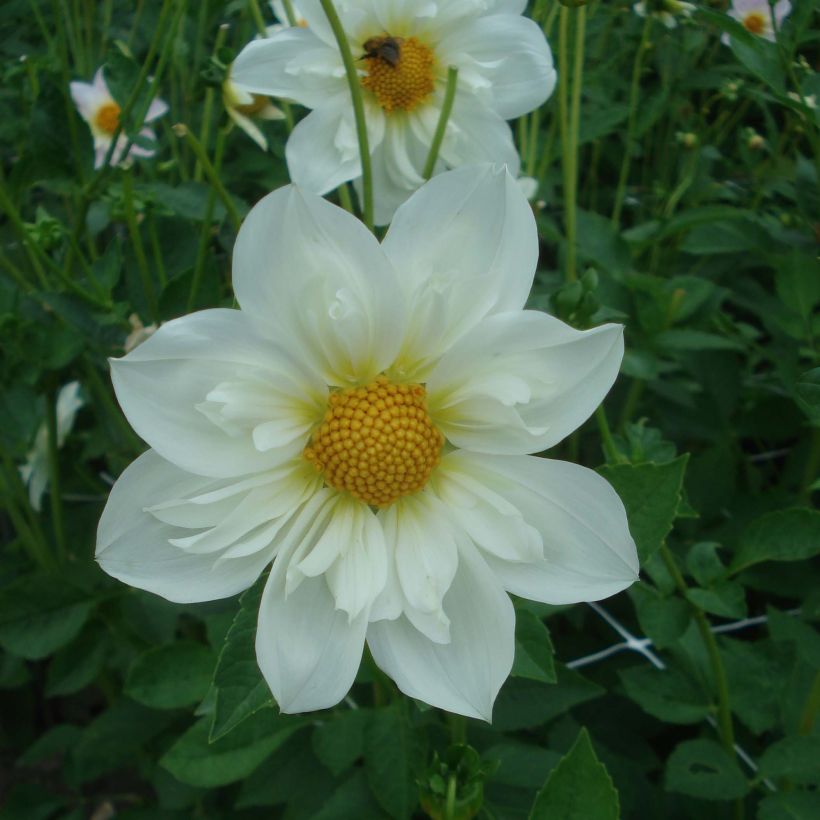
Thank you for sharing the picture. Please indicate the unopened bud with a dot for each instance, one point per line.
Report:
(687, 139)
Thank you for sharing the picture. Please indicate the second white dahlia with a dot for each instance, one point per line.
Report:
(403, 49)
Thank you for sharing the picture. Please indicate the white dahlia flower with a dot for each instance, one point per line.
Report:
(403, 49)
(102, 113)
(756, 16)
(243, 108)
(365, 422)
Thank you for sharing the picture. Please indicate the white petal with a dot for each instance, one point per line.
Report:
(308, 650)
(69, 402)
(465, 246)
(520, 382)
(157, 109)
(292, 64)
(588, 551)
(133, 545)
(88, 99)
(323, 151)
(511, 53)
(249, 127)
(320, 281)
(465, 675)
(165, 384)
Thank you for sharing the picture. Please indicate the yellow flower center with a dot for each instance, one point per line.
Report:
(260, 102)
(755, 21)
(377, 442)
(399, 71)
(108, 117)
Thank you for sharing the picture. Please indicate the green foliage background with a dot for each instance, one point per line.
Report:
(117, 703)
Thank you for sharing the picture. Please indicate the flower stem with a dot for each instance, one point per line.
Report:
(570, 116)
(634, 88)
(205, 130)
(258, 19)
(607, 442)
(289, 13)
(358, 108)
(450, 805)
(810, 709)
(725, 727)
(195, 145)
(55, 493)
(441, 127)
(148, 289)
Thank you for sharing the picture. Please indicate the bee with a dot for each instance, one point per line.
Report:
(384, 48)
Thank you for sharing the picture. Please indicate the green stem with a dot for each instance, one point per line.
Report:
(812, 465)
(630, 121)
(136, 240)
(213, 177)
(441, 126)
(608, 443)
(450, 805)
(811, 708)
(54, 490)
(344, 197)
(258, 19)
(289, 13)
(205, 235)
(358, 108)
(725, 727)
(633, 396)
(104, 400)
(207, 109)
(32, 250)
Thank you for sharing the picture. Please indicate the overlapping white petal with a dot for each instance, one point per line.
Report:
(505, 70)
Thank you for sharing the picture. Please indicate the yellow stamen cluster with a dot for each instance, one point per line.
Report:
(107, 118)
(377, 442)
(260, 103)
(755, 21)
(403, 83)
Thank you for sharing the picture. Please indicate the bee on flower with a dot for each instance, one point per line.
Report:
(102, 113)
(666, 11)
(403, 49)
(756, 16)
(365, 423)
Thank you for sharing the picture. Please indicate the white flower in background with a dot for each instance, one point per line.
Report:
(403, 49)
(139, 332)
(279, 10)
(365, 422)
(35, 471)
(666, 11)
(102, 113)
(756, 16)
(243, 107)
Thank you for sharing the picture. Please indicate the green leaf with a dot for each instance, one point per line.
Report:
(522, 765)
(39, 613)
(533, 648)
(793, 629)
(78, 664)
(797, 758)
(797, 282)
(523, 703)
(807, 393)
(241, 690)
(578, 788)
(339, 742)
(726, 236)
(687, 339)
(601, 243)
(389, 760)
(702, 768)
(352, 799)
(726, 600)
(796, 805)
(195, 761)
(785, 535)
(651, 494)
(171, 676)
(663, 619)
(704, 564)
(667, 694)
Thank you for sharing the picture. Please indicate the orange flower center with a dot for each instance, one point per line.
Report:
(399, 71)
(755, 21)
(107, 118)
(377, 442)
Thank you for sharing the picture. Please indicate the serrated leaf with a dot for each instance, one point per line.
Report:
(389, 760)
(172, 676)
(578, 788)
(663, 619)
(39, 613)
(726, 600)
(241, 690)
(339, 741)
(785, 535)
(651, 494)
(666, 694)
(197, 762)
(533, 648)
(797, 758)
(703, 768)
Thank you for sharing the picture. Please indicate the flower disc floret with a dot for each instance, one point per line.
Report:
(108, 118)
(404, 79)
(377, 442)
(755, 22)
